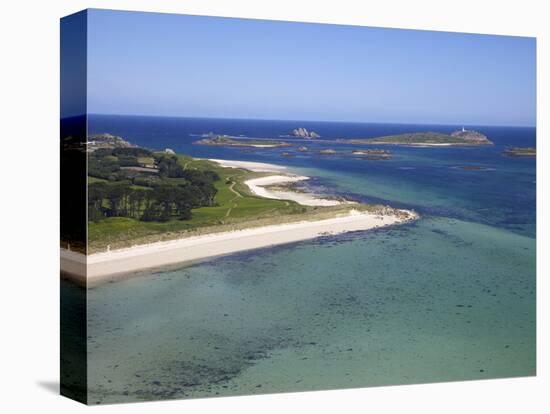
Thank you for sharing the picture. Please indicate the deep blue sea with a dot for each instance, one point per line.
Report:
(450, 297)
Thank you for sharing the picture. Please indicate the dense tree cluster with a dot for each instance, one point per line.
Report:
(167, 192)
(106, 163)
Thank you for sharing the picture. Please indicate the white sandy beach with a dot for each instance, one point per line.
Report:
(257, 186)
(250, 165)
(103, 265)
(107, 265)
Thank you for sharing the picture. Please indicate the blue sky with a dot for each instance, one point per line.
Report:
(73, 65)
(176, 65)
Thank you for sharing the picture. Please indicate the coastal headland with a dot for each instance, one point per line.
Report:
(252, 205)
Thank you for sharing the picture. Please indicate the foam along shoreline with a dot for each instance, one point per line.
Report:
(107, 265)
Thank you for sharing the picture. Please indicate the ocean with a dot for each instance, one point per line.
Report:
(450, 297)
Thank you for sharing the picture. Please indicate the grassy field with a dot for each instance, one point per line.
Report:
(92, 180)
(234, 206)
(146, 160)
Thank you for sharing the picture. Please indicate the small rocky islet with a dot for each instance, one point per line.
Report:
(304, 133)
(229, 141)
(373, 154)
(520, 152)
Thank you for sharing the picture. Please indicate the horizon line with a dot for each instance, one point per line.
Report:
(307, 120)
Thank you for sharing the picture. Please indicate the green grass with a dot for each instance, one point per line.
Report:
(146, 160)
(235, 205)
(92, 180)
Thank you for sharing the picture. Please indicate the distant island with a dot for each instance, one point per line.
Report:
(227, 141)
(458, 138)
(520, 152)
(304, 133)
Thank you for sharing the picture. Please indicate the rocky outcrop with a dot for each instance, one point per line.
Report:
(372, 152)
(97, 141)
(304, 133)
(474, 137)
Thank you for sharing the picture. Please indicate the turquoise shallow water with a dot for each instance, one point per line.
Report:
(439, 300)
(450, 297)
